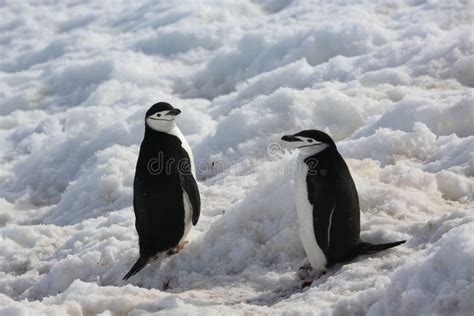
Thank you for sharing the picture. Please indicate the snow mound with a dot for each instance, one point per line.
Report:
(391, 82)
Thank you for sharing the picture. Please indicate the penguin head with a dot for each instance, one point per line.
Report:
(310, 142)
(161, 117)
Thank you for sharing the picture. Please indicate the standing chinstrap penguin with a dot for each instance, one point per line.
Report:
(327, 204)
(166, 198)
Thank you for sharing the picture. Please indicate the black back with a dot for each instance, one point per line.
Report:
(158, 192)
(331, 190)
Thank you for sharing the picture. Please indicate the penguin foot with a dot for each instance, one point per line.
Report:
(307, 282)
(305, 271)
(308, 274)
(176, 249)
(172, 251)
(307, 265)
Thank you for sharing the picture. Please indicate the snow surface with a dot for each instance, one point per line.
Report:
(392, 82)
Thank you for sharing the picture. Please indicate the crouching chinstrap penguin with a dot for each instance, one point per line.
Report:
(165, 193)
(327, 203)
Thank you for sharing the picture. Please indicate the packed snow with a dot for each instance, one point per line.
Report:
(392, 82)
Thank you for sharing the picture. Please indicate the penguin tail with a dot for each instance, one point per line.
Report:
(140, 264)
(366, 248)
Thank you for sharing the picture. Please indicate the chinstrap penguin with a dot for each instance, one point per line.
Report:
(166, 198)
(327, 205)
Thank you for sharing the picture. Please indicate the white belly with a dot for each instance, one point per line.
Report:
(188, 214)
(188, 209)
(304, 211)
(185, 145)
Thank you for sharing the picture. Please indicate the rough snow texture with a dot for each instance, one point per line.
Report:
(392, 83)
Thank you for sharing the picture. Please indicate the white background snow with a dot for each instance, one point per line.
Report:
(392, 82)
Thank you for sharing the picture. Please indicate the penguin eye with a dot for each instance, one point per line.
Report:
(310, 140)
(158, 115)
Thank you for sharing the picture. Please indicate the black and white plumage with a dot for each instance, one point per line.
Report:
(166, 198)
(327, 203)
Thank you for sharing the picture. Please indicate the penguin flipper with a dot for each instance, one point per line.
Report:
(142, 217)
(139, 204)
(322, 196)
(189, 185)
(140, 264)
(324, 208)
(322, 218)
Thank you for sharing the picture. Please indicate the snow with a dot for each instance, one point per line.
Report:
(391, 82)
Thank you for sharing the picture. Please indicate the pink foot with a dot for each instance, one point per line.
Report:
(304, 272)
(176, 249)
(307, 265)
(308, 274)
(307, 282)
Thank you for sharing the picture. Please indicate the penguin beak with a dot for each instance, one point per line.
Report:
(174, 112)
(290, 138)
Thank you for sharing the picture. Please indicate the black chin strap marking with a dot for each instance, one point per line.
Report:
(155, 119)
(311, 145)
